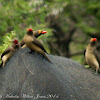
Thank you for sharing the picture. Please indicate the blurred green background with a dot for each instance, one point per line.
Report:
(70, 24)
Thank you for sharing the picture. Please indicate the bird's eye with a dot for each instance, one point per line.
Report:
(39, 31)
(91, 39)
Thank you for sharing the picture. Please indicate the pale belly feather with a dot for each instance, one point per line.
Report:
(31, 45)
(91, 60)
(7, 56)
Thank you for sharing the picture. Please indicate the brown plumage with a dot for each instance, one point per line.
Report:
(91, 55)
(9, 52)
(33, 44)
(36, 34)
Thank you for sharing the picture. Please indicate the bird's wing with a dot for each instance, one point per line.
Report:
(6, 51)
(84, 52)
(36, 33)
(97, 55)
(36, 42)
(22, 43)
(85, 63)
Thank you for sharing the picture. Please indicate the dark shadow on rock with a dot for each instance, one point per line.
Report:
(29, 76)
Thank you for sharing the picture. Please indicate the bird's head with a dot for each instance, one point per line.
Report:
(30, 31)
(15, 43)
(42, 32)
(93, 41)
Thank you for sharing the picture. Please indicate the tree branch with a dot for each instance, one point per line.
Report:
(77, 53)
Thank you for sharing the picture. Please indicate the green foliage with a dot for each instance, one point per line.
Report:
(18, 15)
(7, 39)
(21, 16)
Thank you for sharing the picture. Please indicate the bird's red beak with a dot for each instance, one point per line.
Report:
(94, 39)
(43, 32)
(30, 29)
(16, 42)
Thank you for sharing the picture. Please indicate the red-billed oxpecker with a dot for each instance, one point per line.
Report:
(36, 34)
(33, 44)
(9, 52)
(91, 55)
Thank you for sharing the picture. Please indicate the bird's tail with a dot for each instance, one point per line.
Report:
(1, 64)
(47, 52)
(47, 58)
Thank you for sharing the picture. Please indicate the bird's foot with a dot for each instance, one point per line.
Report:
(96, 73)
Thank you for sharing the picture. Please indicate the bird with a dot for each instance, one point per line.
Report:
(92, 56)
(33, 44)
(36, 33)
(9, 52)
